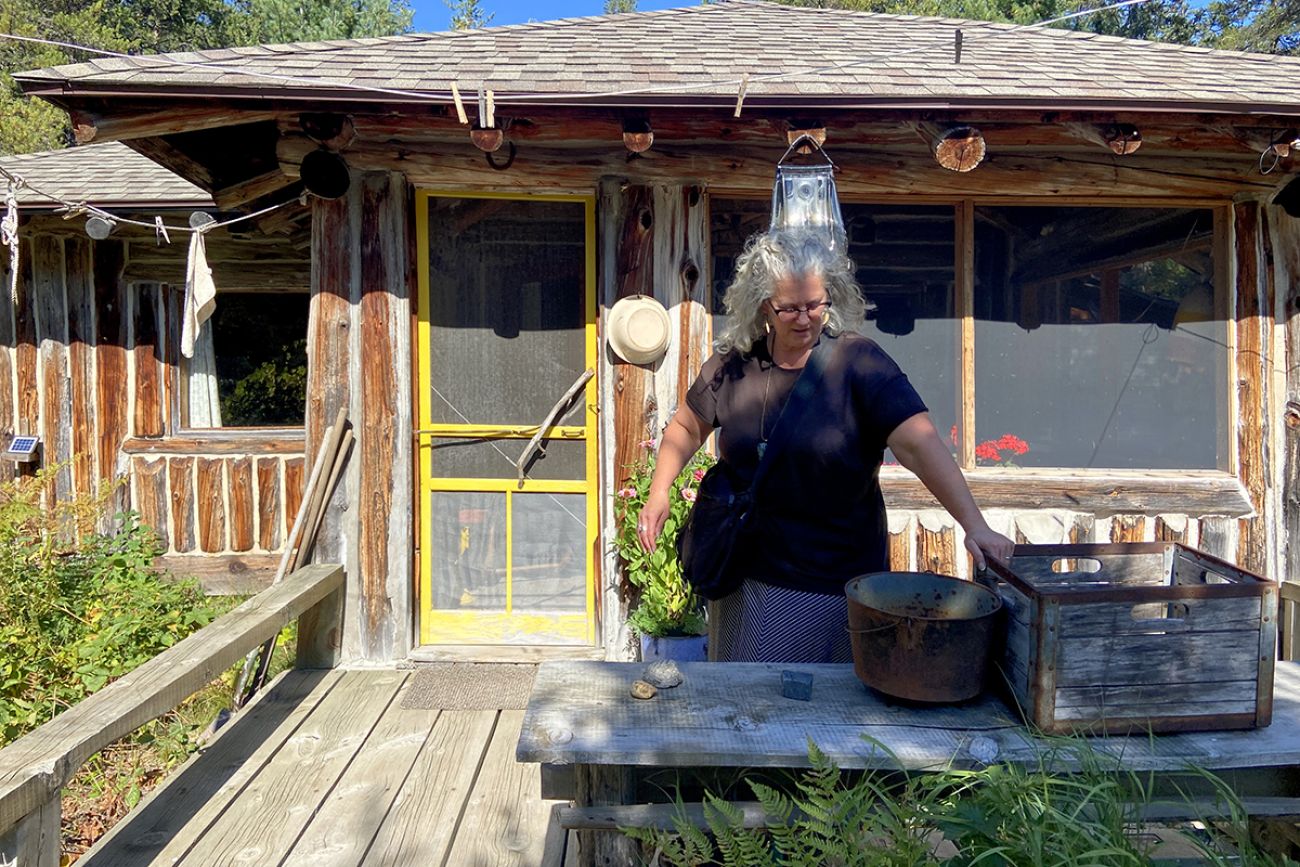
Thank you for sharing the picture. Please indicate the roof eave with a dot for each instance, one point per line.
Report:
(62, 89)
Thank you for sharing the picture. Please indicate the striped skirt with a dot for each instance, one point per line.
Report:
(763, 623)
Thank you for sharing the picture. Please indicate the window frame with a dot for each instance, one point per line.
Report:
(177, 425)
(1207, 491)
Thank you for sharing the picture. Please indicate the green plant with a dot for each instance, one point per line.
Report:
(666, 604)
(1003, 815)
(78, 608)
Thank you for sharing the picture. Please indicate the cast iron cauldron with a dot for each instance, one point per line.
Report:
(920, 636)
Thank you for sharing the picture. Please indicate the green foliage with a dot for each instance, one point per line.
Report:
(78, 608)
(154, 26)
(615, 7)
(261, 358)
(999, 816)
(468, 14)
(667, 605)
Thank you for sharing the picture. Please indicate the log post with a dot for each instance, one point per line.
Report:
(34, 841)
(605, 785)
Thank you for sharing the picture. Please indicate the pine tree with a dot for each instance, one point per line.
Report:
(615, 7)
(468, 14)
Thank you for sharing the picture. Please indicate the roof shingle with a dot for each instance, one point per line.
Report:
(107, 174)
(702, 50)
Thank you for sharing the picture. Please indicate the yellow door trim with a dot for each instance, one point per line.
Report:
(477, 627)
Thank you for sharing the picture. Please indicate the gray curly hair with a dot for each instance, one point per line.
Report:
(781, 254)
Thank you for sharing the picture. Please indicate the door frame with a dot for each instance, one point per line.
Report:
(426, 430)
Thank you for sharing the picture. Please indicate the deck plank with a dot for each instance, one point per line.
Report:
(506, 821)
(341, 832)
(261, 825)
(425, 816)
(162, 827)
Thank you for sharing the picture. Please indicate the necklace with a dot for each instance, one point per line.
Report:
(767, 387)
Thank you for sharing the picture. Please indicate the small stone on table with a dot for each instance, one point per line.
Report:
(797, 685)
(642, 690)
(663, 674)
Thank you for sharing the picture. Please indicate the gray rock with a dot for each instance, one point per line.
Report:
(664, 674)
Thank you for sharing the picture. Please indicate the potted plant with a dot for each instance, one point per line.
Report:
(668, 615)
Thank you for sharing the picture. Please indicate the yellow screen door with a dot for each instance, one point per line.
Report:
(507, 327)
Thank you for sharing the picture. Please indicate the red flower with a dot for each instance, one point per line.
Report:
(988, 451)
(1012, 443)
(952, 435)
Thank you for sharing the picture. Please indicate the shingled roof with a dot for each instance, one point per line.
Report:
(697, 54)
(108, 174)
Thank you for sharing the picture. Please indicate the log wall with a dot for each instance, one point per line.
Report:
(89, 362)
(362, 286)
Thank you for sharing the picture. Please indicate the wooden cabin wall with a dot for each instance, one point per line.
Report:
(359, 343)
(653, 240)
(89, 360)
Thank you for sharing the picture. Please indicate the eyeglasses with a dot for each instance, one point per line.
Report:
(815, 310)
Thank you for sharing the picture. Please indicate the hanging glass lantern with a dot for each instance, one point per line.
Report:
(804, 196)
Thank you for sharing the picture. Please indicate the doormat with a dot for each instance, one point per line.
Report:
(469, 686)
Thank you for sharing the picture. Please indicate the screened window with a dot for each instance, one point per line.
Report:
(905, 265)
(1099, 341)
(1099, 336)
(249, 368)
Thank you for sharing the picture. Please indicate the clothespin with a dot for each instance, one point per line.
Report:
(460, 105)
(740, 97)
(160, 232)
(485, 109)
(492, 110)
(956, 46)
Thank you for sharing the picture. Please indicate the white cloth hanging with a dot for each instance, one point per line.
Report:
(204, 399)
(200, 293)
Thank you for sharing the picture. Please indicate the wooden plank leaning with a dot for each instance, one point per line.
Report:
(328, 459)
(34, 768)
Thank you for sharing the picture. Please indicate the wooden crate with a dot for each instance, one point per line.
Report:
(1136, 637)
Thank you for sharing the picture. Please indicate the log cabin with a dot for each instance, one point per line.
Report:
(1101, 308)
(94, 370)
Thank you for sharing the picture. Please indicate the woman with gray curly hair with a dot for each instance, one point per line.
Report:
(820, 518)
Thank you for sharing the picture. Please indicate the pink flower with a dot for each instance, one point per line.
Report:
(649, 444)
(688, 494)
(627, 493)
(698, 475)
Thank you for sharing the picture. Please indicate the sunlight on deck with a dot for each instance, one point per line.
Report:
(327, 768)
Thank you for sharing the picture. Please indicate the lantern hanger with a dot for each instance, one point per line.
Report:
(807, 140)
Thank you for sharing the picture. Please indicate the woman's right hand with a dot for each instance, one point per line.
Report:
(650, 523)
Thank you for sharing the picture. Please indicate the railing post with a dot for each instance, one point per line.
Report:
(320, 632)
(34, 841)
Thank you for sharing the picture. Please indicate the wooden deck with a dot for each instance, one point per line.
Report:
(327, 768)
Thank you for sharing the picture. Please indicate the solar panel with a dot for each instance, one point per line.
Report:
(23, 445)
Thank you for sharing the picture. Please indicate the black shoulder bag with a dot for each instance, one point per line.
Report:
(722, 507)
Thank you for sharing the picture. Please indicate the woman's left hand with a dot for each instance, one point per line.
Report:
(986, 540)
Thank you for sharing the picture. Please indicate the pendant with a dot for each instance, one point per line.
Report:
(762, 447)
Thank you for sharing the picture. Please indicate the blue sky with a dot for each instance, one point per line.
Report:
(433, 14)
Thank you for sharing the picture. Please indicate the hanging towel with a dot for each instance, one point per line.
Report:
(200, 293)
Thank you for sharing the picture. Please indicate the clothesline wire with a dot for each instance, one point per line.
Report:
(74, 208)
(984, 28)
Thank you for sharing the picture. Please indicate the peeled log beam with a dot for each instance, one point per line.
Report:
(89, 126)
(960, 149)
(249, 189)
(1121, 139)
(873, 172)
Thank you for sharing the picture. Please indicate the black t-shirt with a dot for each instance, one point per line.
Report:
(819, 518)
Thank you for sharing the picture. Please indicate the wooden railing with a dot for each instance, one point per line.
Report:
(35, 768)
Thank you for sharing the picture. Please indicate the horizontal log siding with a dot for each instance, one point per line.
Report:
(88, 362)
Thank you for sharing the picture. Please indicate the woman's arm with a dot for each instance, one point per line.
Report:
(918, 447)
(681, 440)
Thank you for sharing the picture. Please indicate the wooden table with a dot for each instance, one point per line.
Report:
(733, 715)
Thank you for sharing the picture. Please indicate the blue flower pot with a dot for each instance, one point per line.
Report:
(684, 648)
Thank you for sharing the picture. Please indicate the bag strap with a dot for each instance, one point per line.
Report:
(805, 387)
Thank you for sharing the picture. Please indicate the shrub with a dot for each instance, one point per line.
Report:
(78, 608)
